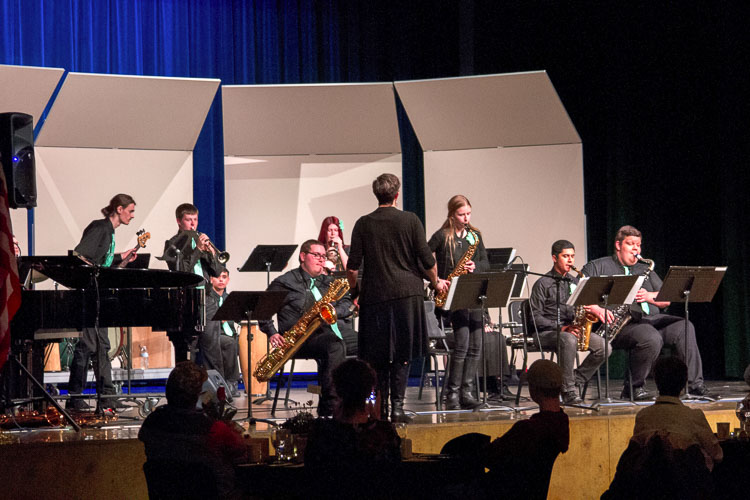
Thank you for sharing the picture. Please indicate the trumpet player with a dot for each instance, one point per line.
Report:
(649, 328)
(544, 303)
(192, 252)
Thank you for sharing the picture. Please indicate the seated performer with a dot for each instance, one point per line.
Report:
(217, 345)
(329, 344)
(544, 308)
(97, 246)
(449, 244)
(332, 235)
(192, 252)
(649, 329)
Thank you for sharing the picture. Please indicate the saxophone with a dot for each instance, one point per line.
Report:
(582, 322)
(459, 270)
(322, 310)
(621, 313)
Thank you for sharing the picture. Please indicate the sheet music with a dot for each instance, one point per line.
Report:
(449, 299)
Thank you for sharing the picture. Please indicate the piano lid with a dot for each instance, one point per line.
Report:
(72, 272)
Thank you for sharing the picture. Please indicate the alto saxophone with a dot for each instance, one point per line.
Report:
(322, 310)
(460, 268)
(582, 322)
(621, 313)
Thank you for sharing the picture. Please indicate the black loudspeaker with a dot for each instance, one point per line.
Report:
(17, 158)
(211, 388)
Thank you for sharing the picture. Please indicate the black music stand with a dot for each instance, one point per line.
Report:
(480, 291)
(691, 284)
(605, 291)
(268, 258)
(250, 306)
(500, 257)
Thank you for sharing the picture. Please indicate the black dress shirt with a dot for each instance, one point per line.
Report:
(299, 299)
(544, 305)
(610, 266)
(189, 257)
(96, 240)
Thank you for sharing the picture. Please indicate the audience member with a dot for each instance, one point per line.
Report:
(520, 461)
(686, 426)
(355, 452)
(185, 449)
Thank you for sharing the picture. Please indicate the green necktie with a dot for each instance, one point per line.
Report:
(644, 305)
(225, 324)
(318, 296)
(197, 268)
(110, 253)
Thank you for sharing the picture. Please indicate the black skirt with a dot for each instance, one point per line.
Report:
(392, 331)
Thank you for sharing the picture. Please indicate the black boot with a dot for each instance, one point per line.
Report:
(399, 381)
(453, 385)
(468, 401)
(383, 386)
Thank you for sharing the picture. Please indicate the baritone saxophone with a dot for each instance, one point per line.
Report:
(582, 322)
(322, 310)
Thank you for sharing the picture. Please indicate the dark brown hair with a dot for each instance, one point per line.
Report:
(185, 384)
(354, 380)
(185, 208)
(118, 200)
(385, 188)
(626, 231)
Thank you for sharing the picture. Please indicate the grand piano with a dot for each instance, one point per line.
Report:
(163, 300)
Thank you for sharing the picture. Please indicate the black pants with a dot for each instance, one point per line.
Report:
(85, 349)
(645, 338)
(217, 351)
(329, 351)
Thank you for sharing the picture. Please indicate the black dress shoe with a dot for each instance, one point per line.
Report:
(77, 404)
(571, 398)
(699, 390)
(639, 394)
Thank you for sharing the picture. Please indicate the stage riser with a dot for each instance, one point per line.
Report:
(113, 468)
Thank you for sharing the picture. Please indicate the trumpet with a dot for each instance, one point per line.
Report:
(221, 256)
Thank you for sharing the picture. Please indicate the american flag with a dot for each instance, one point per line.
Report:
(10, 288)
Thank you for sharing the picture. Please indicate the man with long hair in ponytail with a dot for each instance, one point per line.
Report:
(97, 247)
(449, 244)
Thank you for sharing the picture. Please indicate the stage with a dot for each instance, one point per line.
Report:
(107, 462)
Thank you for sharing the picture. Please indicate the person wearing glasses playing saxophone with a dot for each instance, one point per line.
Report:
(328, 344)
(451, 245)
(543, 303)
(648, 328)
(192, 252)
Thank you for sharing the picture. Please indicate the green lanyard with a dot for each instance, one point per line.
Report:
(318, 296)
(644, 305)
(225, 324)
(110, 253)
(197, 268)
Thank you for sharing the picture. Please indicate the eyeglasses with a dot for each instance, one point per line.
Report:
(320, 256)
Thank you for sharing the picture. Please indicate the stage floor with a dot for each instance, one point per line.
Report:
(109, 459)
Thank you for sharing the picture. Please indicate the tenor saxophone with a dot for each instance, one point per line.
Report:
(582, 322)
(322, 310)
(459, 270)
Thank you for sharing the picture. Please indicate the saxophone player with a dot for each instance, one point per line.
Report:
(543, 303)
(329, 344)
(649, 328)
(450, 244)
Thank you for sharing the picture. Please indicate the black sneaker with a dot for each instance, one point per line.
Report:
(639, 394)
(77, 404)
(699, 390)
(571, 398)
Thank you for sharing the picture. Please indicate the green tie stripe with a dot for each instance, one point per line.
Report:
(318, 296)
(110, 253)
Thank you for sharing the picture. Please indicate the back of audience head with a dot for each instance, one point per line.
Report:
(354, 381)
(670, 375)
(545, 380)
(185, 384)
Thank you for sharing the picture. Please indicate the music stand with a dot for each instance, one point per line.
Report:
(268, 258)
(691, 284)
(480, 291)
(605, 291)
(499, 257)
(250, 306)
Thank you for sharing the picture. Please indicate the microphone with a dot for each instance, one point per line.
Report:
(509, 264)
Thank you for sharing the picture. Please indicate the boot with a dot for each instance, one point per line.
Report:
(399, 381)
(452, 400)
(383, 386)
(467, 385)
